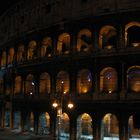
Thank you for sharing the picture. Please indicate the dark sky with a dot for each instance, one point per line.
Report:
(5, 4)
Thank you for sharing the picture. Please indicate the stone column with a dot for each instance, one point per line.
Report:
(123, 131)
(73, 128)
(36, 122)
(96, 125)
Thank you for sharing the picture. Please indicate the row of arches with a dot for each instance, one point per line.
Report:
(107, 38)
(85, 125)
(108, 82)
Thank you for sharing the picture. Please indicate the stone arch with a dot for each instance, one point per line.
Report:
(84, 81)
(62, 82)
(46, 48)
(84, 41)
(132, 33)
(63, 44)
(107, 37)
(84, 127)
(110, 126)
(32, 50)
(45, 83)
(108, 80)
(11, 56)
(133, 79)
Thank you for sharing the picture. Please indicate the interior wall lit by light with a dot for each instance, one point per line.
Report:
(108, 80)
(32, 50)
(84, 41)
(132, 33)
(45, 83)
(3, 59)
(107, 37)
(133, 78)
(84, 127)
(46, 48)
(84, 81)
(63, 44)
(110, 127)
(62, 82)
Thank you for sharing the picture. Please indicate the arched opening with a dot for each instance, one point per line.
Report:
(63, 44)
(84, 127)
(32, 50)
(45, 83)
(62, 82)
(110, 127)
(20, 53)
(84, 81)
(84, 41)
(65, 126)
(108, 80)
(133, 79)
(30, 85)
(17, 121)
(132, 33)
(46, 48)
(107, 37)
(10, 56)
(18, 85)
(3, 59)
(7, 118)
(133, 131)
(29, 122)
(44, 123)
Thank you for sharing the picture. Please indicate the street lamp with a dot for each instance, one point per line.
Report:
(58, 104)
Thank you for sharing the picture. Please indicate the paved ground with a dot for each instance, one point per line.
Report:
(8, 135)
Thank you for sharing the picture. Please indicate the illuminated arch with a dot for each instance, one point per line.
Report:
(110, 126)
(11, 56)
(84, 126)
(133, 79)
(18, 85)
(29, 85)
(84, 41)
(132, 33)
(84, 81)
(17, 120)
(32, 50)
(62, 82)
(44, 123)
(20, 53)
(107, 37)
(132, 131)
(46, 48)
(108, 80)
(63, 44)
(45, 83)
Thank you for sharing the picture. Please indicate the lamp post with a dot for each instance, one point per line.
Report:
(58, 104)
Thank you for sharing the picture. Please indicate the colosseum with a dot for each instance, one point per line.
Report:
(70, 69)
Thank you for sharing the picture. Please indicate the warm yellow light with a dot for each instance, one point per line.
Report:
(55, 104)
(31, 93)
(70, 105)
